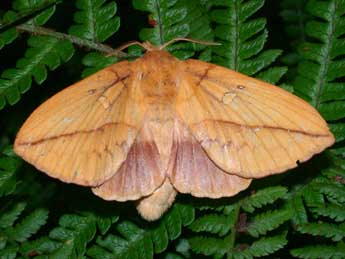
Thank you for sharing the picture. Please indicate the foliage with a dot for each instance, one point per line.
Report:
(299, 214)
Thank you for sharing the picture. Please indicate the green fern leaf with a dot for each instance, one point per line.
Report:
(268, 221)
(170, 227)
(339, 131)
(312, 196)
(21, 10)
(9, 35)
(242, 39)
(104, 223)
(96, 21)
(183, 248)
(209, 246)
(42, 246)
(173, 22)
(95, 61)
(173, 224)
(299, 212)
(272, 75)
(173, 256)
(44, 51)
(133, 243)
(213, 223)
(10, 215)
(267, 245)
(323, 59)
(8, 167)
(29, 225)
(160, 238)
(263, 197)
(145, 242)
(74, 233)
(13, 82)
(334, 173)
(333, 191)
(336, 232)
(295, 18)
(320, 251)
(333, 91)
(9, 252)
(333, 111)
(335, 212)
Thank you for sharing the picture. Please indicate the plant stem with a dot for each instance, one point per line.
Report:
(75, 40)
(233, 232)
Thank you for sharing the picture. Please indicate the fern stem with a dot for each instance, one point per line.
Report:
(91, 20)
(160, 25)
(325, 64)
(62, 36)
(234, 64)
(233, 231)
(301, 20)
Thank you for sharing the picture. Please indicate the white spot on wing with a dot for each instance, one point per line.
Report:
(67, 120)
(229, 97)
(104, 101)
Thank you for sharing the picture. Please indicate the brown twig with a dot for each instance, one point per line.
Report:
(75, 40)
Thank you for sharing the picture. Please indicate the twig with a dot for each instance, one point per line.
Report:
(75, 40)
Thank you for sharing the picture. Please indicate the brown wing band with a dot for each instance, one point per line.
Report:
(253, 127)
(71, 134)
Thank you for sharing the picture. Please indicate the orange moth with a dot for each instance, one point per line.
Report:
(147, 129)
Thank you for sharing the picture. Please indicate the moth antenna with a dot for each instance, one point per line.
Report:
(190, 40)
(145, 45)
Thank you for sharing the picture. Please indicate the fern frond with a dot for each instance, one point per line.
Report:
(96, 21)
(338, 129)
(9, 215)
(8, 167)
(333, 231)
(295, 18)
(14, 234)
(13, 82)
(335, 212)
(44, 52)
(320, 251)
(263, 197)
(9, 252)
(272, 75)
(333, 191)
(95, 61)
(131, 241)
(242, 38)
(73, 233)
(174, 19)
(324, 59)
(214, 223)
(40, 246)
(299, 212)
(170, 227)
(134, 242)
(266, 245)
(21, 11)
(268, 221)
(29, 225)
(210, 246)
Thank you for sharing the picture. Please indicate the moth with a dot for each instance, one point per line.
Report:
(148, 129)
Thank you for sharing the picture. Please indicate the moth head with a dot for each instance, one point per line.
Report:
(148, 46)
